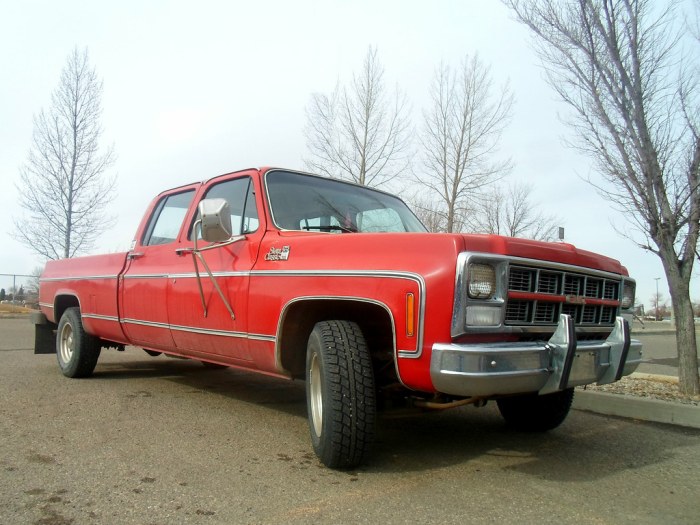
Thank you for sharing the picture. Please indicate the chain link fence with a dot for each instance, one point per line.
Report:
(18, 289)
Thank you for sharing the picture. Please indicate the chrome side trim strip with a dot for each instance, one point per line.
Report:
(146, 276)
(215, 274)
(46, 305)
(204, 331)
(100, 317)
(224, 333)
(151, 324)
(81, 278)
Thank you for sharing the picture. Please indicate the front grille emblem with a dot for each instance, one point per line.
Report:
(575, 299)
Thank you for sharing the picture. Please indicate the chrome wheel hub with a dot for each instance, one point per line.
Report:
(316, 395)
(66, 344)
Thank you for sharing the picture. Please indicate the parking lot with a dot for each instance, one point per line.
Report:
(160, 441)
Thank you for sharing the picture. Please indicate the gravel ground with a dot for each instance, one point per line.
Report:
(652, 387)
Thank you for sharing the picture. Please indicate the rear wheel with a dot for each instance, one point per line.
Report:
(76, 350)
(533, 413)
(340, 394)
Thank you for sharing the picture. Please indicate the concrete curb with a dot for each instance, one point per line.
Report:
(638, 408)
(655, 377)
(656, 331)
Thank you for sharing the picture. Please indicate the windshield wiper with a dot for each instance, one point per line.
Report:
(330, 228)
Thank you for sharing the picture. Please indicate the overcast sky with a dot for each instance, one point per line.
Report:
(193, 90)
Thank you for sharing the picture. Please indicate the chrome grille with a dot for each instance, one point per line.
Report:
(545, 313)
(607, 315)
(548, 283)
(521, 279)
(610, 290)
(573, 284)
(517, 312)
(572, 310)
(569, 292)
(589, 314)
(593, 287)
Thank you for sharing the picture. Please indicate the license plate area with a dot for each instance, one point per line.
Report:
(588, 366)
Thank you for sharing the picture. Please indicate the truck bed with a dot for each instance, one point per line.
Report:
(93, 281)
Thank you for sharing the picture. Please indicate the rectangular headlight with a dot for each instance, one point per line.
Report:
(628, 290)
(481, 281)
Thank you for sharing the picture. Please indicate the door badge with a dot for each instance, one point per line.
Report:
(278, 254)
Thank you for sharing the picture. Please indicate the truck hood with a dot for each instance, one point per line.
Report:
(419, 251)
(544, 251)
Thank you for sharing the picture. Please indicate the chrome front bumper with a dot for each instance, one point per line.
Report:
(491, 369)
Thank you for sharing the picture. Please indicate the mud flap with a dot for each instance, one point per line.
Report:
(44, 334)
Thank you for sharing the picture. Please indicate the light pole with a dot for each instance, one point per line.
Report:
(656, 313)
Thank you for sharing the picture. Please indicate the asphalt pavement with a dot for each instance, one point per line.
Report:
(162, 441)
(659, 347)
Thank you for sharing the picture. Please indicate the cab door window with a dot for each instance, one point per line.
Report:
(167, 218)
(240, 195)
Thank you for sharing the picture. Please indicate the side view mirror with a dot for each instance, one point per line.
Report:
(215, 215)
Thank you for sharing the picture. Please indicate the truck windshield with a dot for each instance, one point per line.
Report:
(307, 202)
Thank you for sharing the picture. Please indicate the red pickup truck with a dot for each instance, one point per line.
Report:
(302, 277)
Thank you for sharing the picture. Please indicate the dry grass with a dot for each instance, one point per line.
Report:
(14, 309)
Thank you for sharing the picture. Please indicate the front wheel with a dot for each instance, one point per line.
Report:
(340, 395)
(533, 413)
(76, 350)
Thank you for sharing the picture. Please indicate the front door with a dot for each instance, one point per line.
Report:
(201, 322)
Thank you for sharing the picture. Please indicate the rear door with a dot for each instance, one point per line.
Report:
(144, 284)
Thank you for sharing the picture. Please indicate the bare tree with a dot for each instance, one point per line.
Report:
(510, 211)
(33, 281)
(359, 132)
(62, 186)
(461, 132)
(659, 306)
(618, 64)
(428, 210)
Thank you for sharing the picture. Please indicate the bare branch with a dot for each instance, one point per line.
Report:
(619, 64)
(510, 211)
(461, 132)
(359, 132)
(62, 185)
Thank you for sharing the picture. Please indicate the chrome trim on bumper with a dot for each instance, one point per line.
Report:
(491, 369)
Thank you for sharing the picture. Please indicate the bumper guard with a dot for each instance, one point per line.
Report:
(491, 369)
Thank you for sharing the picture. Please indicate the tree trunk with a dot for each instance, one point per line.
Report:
(679, 287)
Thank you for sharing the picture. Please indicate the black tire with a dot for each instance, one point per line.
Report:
(76, 350)
(340, 394)
(152, 353)
(533, 413)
